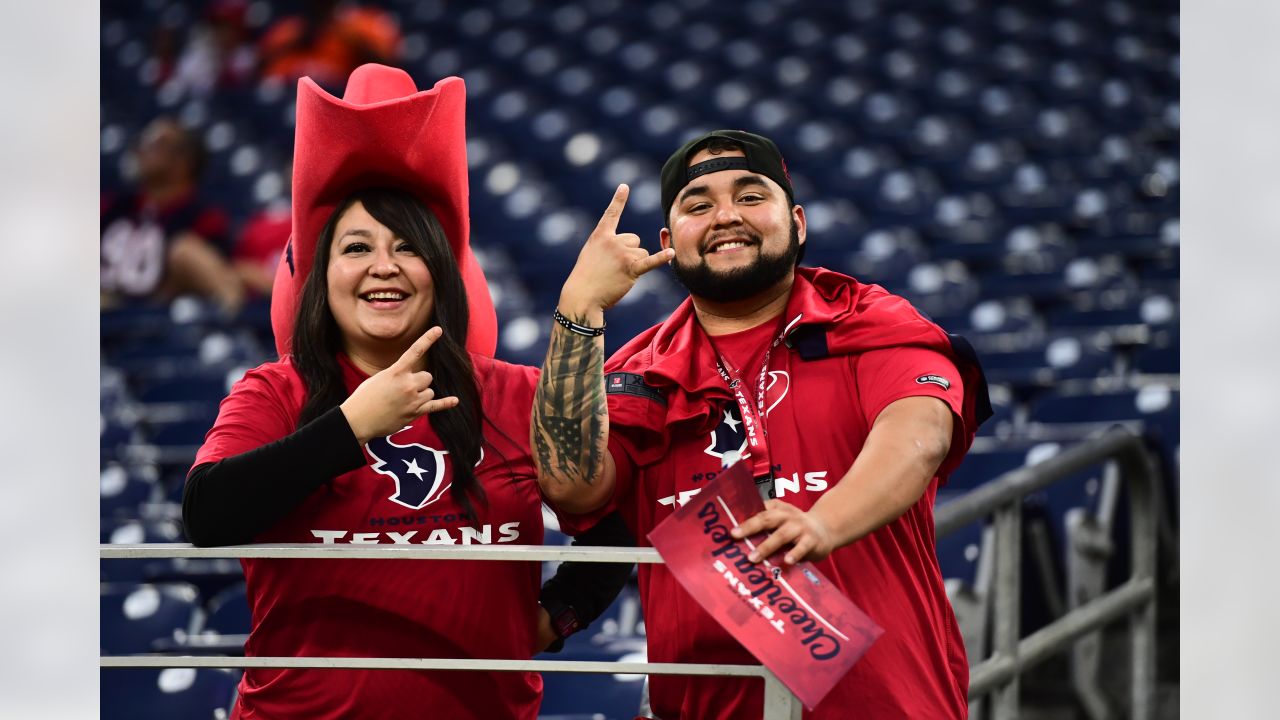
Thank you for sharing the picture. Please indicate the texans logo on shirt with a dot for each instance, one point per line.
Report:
(417, 469)
(728, 435)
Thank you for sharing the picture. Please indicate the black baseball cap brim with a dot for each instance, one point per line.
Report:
(762, 157)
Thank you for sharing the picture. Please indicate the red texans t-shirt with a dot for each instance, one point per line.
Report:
(818, 413)
(393, 608)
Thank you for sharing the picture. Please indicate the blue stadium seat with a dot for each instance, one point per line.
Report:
(193, 385)
(150, 694)
(958, 553)
(130, 532)
(1154, 407)
(1160, 357)
(210, 576)
(121, 493)
(227, 613)
(616, 636)
(186, 427)
(135, 616)
(983, 465)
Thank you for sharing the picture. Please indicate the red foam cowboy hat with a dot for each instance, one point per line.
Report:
(382, 132)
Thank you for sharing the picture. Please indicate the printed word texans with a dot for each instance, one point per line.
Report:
(483, 535)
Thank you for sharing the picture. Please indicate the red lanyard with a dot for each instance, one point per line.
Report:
(753, 418)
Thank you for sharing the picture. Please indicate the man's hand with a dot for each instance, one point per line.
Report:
(396, 396)
(608, 266)
(811, 538)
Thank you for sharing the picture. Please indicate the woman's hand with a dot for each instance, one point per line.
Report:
(396, 396)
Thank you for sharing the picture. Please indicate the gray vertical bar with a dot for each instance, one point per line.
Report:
(779, 703)
(1007, 621)
(1140, 469)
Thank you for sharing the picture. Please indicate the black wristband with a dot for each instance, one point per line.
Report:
(574, 327)
(564, 622)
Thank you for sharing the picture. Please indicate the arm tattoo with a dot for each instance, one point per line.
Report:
(570, 414)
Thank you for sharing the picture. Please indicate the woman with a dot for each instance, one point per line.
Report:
(377, 369)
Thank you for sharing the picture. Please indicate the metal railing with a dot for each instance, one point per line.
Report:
(779, 702)
(998, 675)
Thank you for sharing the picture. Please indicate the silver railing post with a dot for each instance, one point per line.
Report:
(1007, 604)
(779, 703)
(1135, 599)
(1143, 492)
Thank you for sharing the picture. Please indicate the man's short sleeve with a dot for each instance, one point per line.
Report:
(885, 376)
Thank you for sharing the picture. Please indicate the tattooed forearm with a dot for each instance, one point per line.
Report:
(570, 416)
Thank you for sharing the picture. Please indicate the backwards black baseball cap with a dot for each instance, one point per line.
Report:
(762, 157)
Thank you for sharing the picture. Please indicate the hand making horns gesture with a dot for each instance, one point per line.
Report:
(396, 396)
(609, 264)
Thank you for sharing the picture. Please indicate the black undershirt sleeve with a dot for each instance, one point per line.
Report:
(589, 588)
(230, 501)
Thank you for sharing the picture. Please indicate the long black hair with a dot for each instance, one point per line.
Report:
(317, 339)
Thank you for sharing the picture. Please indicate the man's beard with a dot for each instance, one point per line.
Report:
(741, 283)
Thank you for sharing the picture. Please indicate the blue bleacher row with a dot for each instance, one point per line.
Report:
(1011, 168)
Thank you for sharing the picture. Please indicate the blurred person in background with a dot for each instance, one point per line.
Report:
(387, 421)
(261, 242)
(328, 41)
(810, 376)
(162, 240)
(218, 54)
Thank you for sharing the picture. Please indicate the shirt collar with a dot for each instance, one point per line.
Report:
(683, 354)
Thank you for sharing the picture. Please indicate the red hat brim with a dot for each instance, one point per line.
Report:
(382, 132)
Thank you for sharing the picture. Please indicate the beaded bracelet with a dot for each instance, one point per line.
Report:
(574, 327)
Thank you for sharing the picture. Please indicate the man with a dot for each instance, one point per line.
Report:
(850, 406)
(162, 241)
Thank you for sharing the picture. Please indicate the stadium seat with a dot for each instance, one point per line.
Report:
(227, 613)
(210, 576)
(1153, 408)
(983, 465)
(188, 693)
(616, 636)
(959, 552)
(121, 493)
(133, 531)
(135, 616)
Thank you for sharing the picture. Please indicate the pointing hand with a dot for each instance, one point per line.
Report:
(396, 396)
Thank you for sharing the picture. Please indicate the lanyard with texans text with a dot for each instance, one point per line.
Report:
(753, 419)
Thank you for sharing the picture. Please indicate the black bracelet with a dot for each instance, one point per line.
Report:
(574, 327)
(564, 622)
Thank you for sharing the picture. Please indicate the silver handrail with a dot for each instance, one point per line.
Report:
(997, 675)
(1002, 497)
(779, 702)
